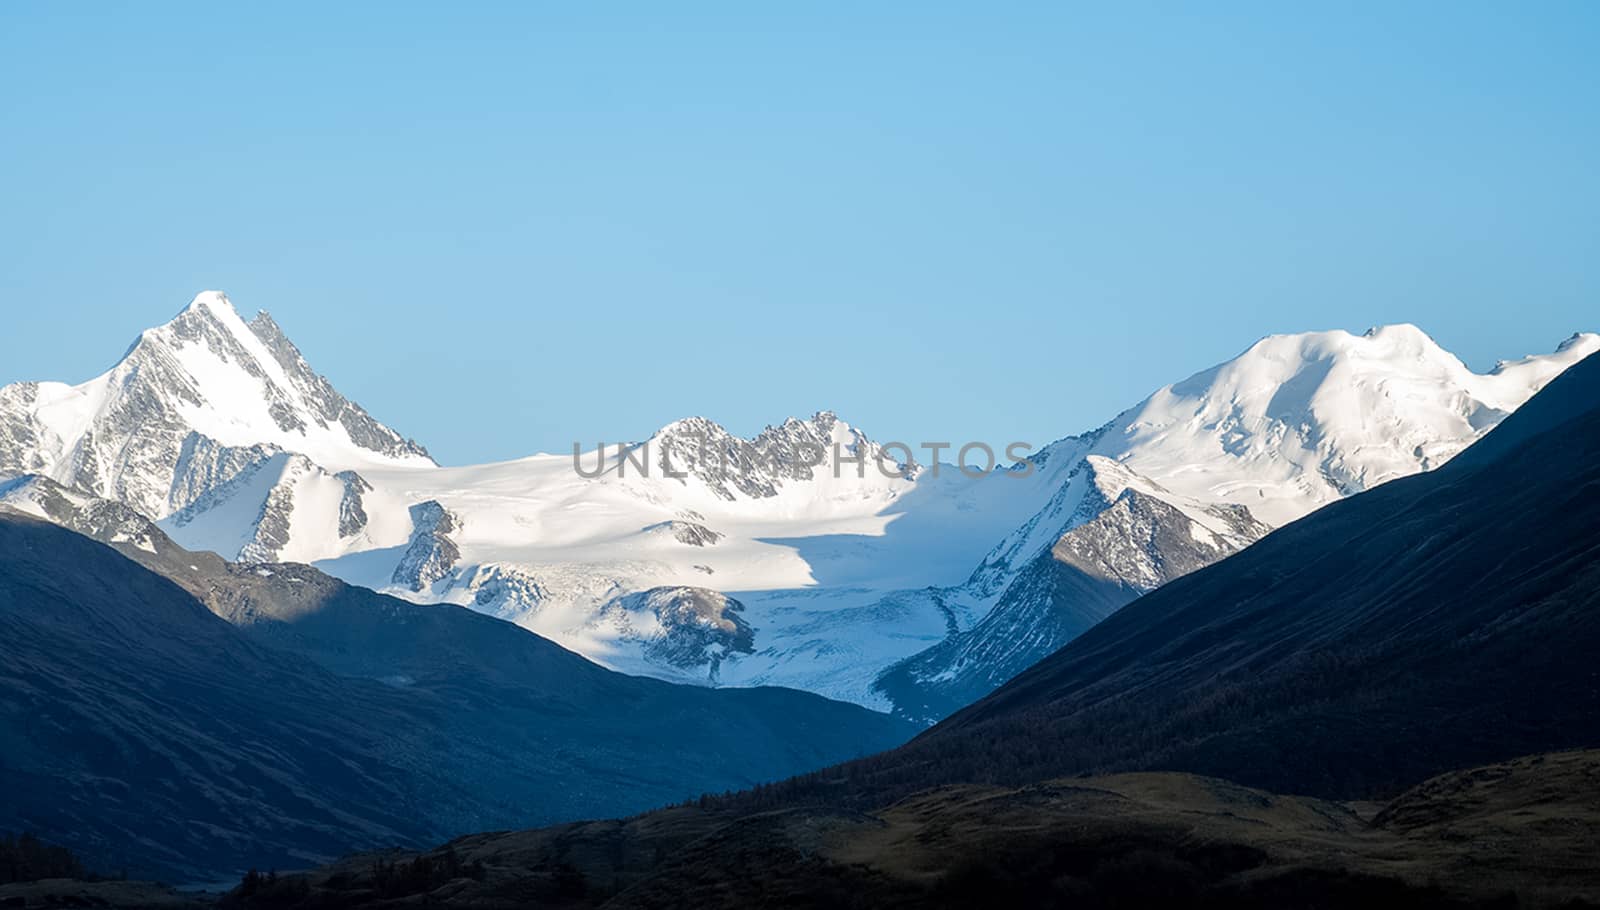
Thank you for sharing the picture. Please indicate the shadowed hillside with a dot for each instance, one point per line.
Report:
(1518, 834)
(147, 733)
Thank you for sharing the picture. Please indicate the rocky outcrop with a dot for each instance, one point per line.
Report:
(431, 553)
(691, 533)
(352, 517)
(684, 628)
(794, 451)
(205, 467)
(102, 519)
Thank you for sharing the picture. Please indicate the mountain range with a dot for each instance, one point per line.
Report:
(1413, 663)
(916, 593)
(247, 624)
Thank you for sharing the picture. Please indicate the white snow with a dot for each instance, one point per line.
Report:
(1297, 421)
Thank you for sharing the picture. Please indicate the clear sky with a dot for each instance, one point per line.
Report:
(503, 227)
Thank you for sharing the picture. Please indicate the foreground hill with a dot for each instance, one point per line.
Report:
(1515, 834)
(146, 732)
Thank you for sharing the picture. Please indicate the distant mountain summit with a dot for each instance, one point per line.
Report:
(1298, 421)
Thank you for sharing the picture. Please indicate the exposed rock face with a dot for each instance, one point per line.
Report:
(1128, 536)
(21, 448)
(498, 589)
(102, 519)
(352, 517)
(431, 554)
(1139, 540)
(272, 525)
(1065, 507)
(205, 466)
(685, 627)
(686, 532)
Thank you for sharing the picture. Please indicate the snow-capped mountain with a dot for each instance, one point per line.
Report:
(189, 406)
(805, 556)
(1291, 424)
(1288, 426)
(1298, 421)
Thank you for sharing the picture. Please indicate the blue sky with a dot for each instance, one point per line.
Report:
(511, 226)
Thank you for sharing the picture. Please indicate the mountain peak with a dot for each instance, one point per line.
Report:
(821, 423)
(210, 300)
(1399, 331)
(1394, 330)
(209, 320)
(1584, 341)
(1312, 417)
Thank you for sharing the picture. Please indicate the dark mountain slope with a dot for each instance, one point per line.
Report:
(1048, 604)
(143, 731)
(470, 722)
